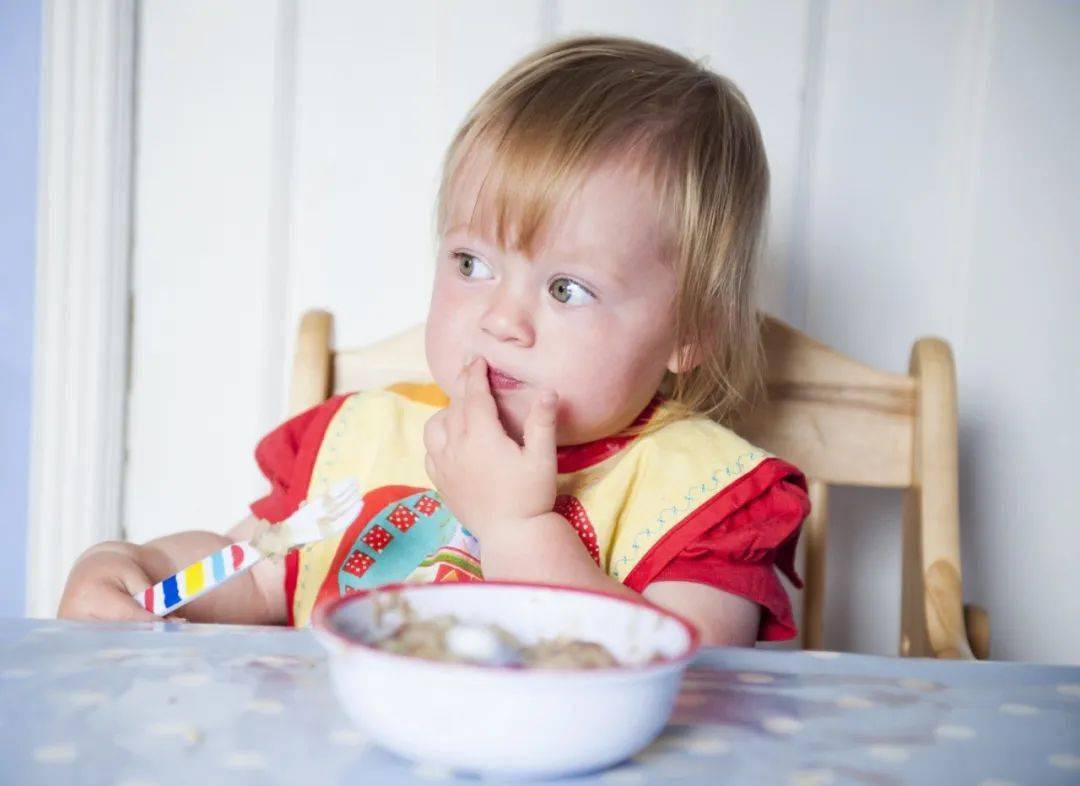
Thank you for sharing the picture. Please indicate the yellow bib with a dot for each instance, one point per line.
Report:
(622, 506)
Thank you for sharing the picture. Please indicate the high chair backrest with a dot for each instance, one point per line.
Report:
(841, 422)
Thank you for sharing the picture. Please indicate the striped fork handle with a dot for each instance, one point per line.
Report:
(198, 577)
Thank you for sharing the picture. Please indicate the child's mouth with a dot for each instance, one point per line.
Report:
(500, 381)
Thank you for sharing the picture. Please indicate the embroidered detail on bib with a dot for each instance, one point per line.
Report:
(720, 478)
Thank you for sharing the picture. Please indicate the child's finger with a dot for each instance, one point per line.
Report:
(435, 432)
(455, 411)
(120, 598)
(540, 427)
(139, 614)
(460, 381)
(461, 412)
(432, 471)
(480, 409)
(123, 607)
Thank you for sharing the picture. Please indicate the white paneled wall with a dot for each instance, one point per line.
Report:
(924, 177)
(1018, 335)
(202, 388)
(378, 97)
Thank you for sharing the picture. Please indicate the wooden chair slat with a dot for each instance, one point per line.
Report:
(815, 531)
(838, 443)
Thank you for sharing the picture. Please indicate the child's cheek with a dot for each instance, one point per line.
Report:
(442, 344)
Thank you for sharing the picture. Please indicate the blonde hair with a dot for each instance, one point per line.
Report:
(576, 103)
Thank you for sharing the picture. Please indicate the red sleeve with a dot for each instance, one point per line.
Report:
(737, 541)
(286, 456)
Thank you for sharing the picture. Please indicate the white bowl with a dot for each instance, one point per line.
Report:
(506, 721)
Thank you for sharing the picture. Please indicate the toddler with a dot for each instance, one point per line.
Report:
(591, 326)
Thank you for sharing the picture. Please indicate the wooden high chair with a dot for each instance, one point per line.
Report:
(841, 422)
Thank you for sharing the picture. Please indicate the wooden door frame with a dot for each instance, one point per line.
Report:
(82, 290)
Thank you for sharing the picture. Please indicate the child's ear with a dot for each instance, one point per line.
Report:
(683, 359)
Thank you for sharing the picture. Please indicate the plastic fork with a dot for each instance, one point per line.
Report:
(314, 520)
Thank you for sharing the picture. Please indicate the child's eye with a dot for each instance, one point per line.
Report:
(570, 292)
(468, 265)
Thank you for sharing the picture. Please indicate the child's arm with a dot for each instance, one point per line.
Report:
(104, 579)
(724, 619)
(546, 549)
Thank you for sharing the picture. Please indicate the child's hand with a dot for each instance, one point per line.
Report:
(101, 584)
(486, 478)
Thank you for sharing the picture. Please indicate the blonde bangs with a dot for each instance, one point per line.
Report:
(534, 157)
(524, 180)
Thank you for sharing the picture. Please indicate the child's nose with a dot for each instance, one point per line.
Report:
(509, 318)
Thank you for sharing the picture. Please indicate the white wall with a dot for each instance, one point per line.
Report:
(1018, 338)
(924, 180)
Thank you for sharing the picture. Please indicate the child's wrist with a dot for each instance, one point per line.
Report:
(538, 548)
(545, 549)
(516, 535)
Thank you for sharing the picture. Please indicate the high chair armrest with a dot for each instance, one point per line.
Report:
(945, 612)
(977, 624)
(932, 616)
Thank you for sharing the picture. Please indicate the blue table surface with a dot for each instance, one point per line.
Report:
(164, 703)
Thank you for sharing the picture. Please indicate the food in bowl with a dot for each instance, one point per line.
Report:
(535, 722)
(435, 639)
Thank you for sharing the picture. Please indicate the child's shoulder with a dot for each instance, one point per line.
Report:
(693, 438)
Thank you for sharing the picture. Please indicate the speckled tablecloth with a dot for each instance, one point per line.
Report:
(185, 704)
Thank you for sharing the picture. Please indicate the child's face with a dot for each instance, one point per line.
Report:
(588, 314)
